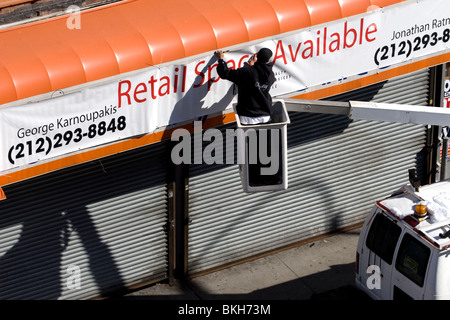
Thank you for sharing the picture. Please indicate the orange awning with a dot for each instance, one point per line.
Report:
(46, 56)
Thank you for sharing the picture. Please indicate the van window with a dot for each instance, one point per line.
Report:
(412, 259)
(382, 237)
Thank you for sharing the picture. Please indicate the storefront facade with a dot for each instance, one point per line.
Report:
(92, 201)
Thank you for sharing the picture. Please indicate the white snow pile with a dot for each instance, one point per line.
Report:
(398, 213)
(435, 197)
(400, 206)
(438, 207)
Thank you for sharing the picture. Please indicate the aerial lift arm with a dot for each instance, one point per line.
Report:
(388, 112)
(356, 110)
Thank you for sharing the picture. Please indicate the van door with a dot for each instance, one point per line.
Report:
(410, 270)
(381, 243)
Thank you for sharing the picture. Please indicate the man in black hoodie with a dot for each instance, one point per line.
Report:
(254, 81)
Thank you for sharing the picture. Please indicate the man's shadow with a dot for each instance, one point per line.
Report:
(50, 228)
(193, 102)
(34, 264)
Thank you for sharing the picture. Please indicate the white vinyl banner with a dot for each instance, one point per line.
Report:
(156, 97)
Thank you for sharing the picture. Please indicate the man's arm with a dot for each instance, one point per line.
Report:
(225, 73)
(230, 74)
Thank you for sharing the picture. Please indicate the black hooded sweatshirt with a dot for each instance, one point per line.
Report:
(254, 83)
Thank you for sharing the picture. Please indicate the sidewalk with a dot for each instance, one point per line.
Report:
(323, 269)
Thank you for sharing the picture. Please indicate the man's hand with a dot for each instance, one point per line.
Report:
(252, 60)
(219, 54)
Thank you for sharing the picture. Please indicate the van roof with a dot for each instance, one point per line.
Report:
(435, 227)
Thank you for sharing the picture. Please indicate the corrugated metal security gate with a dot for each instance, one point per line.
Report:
(102, 221)
(337, 169)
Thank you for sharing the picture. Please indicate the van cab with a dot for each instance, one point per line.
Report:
(403, 252)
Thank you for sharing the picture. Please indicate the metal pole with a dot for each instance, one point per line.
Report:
(444, 158)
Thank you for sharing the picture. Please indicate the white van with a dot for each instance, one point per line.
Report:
(403, 250)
